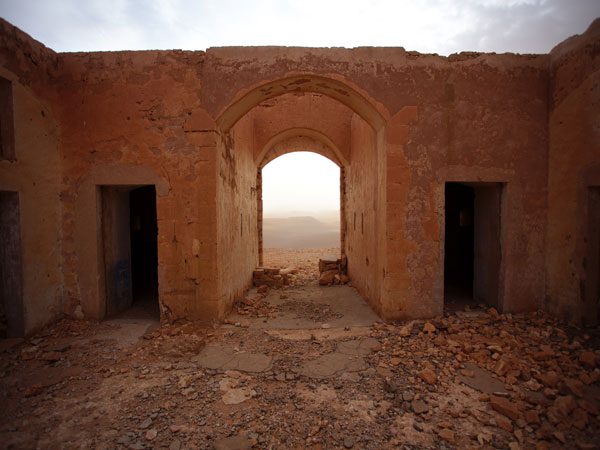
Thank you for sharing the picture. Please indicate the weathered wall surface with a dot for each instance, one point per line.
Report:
(194, 124)
(236, 213)
(139, 116)
(574, 167)
(305, 111)
(35, 174)
(363, 184)
(481, 119)
(477, 118)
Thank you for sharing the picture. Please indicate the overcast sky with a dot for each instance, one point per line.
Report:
(432, 26)
(428, 26)
(313, 190)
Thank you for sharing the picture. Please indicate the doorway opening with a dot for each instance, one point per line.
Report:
(472, 245)
(129, 240)
(12, 322)
(299, 210)
(591, 294)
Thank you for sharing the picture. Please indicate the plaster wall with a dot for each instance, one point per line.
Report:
(138, 121)
(573, 169)
(477, 118)
(34, 173)
(363, 184)
(304, 110)
(237, 231)
(184, 122)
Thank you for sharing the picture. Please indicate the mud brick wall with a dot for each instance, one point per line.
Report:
(572, 250)
(199, 126)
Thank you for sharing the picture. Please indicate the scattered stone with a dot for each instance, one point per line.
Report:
(532, 417)
(504, 423)
(504, 406)
(385, 377)
(559, 435)
(588, 359)
(239, 442)
(575, 386)
(263, 289)
(429, 328)
(51, 356)
(348, 442)
(405, 331)
(428, 376)
(446, 434)
(565, 404)
(589, 407)
(419, 407)
(151, 434)
(236, 396)
(408, 396)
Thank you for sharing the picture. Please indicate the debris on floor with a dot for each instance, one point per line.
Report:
(332, 270)
(467, 379)
(263, 276)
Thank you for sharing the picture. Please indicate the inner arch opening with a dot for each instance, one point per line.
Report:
(300, 193)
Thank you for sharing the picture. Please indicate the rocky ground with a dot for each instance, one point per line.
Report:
(470, 379)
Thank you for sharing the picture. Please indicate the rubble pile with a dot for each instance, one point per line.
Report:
(272, 277)
(470, 379)
(254, 307)
(332, 270)
(305, 260)
(535, 382)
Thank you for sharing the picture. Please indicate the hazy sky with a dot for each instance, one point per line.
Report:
(288, 191)
(428, 26)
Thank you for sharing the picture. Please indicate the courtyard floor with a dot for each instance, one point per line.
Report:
(304, 367)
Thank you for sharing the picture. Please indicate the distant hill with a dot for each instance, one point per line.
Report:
(300, 232)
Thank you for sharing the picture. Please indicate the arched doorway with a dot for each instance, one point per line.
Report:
(298, 205)
(312, 113)
(299, 140)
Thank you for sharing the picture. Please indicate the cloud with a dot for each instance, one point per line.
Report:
(430, 26)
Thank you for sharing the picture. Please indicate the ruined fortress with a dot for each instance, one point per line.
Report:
(96, 147)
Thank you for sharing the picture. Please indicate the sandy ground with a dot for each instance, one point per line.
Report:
(305, 260)
(469, 379)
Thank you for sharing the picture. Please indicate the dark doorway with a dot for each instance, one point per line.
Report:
(459, 242)
(591, 294)
(129, 235)
(144, 248)
(11, 274)
(472, 252)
